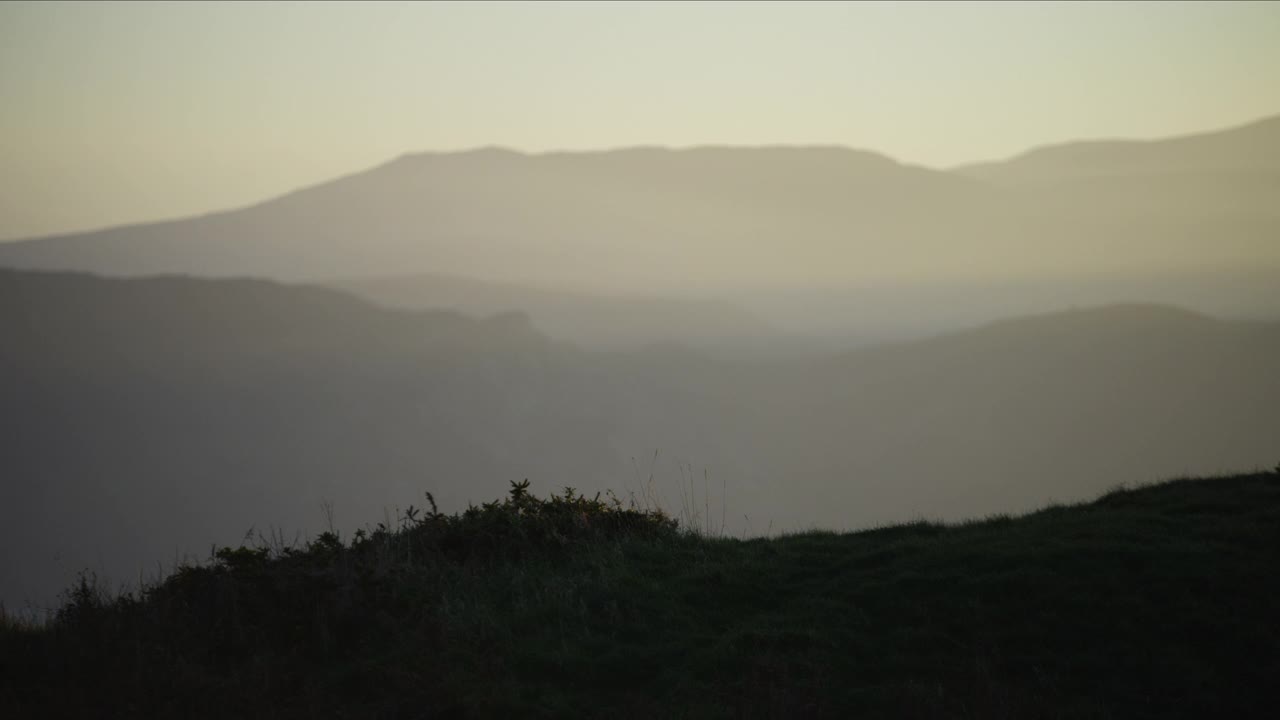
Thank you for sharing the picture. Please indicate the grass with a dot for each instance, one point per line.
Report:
(1149, 602)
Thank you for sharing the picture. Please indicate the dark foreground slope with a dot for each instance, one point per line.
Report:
(1156, 602)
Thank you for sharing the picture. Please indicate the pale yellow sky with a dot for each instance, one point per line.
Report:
(124, 112)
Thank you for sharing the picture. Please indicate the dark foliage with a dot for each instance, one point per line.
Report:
(1153, 602)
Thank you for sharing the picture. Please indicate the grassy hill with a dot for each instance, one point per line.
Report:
(1150, 602)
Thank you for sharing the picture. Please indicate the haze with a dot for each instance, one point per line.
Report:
(127, 112)
(836, 265)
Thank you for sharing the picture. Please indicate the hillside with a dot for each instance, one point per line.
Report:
(153, 416)
(1147, 603)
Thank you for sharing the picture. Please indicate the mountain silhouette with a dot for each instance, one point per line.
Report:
(153, 416)
(643, 219)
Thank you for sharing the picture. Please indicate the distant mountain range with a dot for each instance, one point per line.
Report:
(147, 417)
(640, 220)
(724, 247)
(656, 221)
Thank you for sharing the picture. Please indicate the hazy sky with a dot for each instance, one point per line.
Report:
(118, 112)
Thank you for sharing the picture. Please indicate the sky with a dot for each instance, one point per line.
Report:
(113, 113)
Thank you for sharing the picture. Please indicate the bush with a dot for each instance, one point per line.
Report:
(522, 523)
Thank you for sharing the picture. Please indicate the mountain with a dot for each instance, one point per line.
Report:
(595, 320)
(153, 416)
(1253, 148)
(173, 324)
(1171, 200)
(641, 220)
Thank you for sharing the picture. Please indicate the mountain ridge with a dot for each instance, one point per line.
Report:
(963, 169)
(1203, 145)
